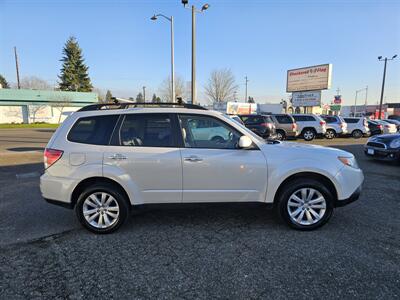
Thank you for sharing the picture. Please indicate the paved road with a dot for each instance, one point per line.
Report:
(214, 251)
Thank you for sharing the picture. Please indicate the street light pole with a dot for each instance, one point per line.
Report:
(383, 82)
(171, 20)
(245, 95)
(194, 11)
(193, 89)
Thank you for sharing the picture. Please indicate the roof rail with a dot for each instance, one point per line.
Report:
(125, 105)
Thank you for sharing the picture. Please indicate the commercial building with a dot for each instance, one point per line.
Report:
(31, 106)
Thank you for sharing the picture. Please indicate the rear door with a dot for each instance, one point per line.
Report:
(217, 170)
(144, 149)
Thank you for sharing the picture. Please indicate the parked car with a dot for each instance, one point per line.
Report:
(335, 126)
(286, 126)
(357, 127)
(387, 127)
(395, 122)
(310, 126)
(236, 118)
(384, 147)
(375, 127)
(260, 124)
(394, 117)
(103, 162)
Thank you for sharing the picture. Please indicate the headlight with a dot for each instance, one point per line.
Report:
(349, 161)
(395, 143)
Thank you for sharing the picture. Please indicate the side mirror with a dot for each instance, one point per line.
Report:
(245, 142)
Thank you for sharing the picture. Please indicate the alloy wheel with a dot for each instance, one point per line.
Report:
(330, 134)
(306, 206)
(308, 135)
(101, 210)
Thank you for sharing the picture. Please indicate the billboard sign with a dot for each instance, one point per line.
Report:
(312, 98)
(336, 107)
(241, 108)
(309, 78)
(337, 99)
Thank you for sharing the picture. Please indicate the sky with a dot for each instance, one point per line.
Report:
(260, 39)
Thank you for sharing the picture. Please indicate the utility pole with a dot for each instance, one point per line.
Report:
(144, 94)
(172, 61)
(366, 99)
(17, 68)
(246, 81)
(383, 82)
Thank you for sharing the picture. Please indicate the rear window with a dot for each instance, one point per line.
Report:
(351, 120)
(330, 120)
(302, 118)
(94, 130)
(256, 119)
(284, 119)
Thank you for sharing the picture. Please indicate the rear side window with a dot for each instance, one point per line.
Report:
(147, 130)
(94, 130)
(284, 119)
(301, 118)
(330, 120)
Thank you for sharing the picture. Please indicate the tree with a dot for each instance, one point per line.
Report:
(108, 96)
(166, 89)
(35, 83)
(221, 86)
(4, 83)
(74, 73)
(139, 97)
(251, 100)
(62, 102)
(155, 99)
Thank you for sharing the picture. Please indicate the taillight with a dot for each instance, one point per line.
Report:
(380, 126)
(294, 126)
(322, 123)
(51, 156)
(265, 125)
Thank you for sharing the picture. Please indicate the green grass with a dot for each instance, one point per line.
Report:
(38, 125)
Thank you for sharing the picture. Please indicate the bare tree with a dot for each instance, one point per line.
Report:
(166, 87)
(100, 95)
(62, 102)
(35, 83)
(34, 109)
(221, 86)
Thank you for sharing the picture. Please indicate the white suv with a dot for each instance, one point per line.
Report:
(106, 159)
(357, 127)
(310, 126)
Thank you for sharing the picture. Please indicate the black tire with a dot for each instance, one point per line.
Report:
(280, 135)
(295, 185)
(357, 134)
(309, 134)
(330, 134)
(116, 193)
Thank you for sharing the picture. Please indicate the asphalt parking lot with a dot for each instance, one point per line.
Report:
(235, 251)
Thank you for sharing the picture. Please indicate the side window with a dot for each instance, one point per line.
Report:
(284, 119)
(351, 121)
(299, 118)
(329, 120)
(146, 130)
(309, 118)
(217, 135)
(94, 130)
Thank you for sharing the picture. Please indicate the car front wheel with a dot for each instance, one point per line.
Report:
(102, 208)
(305, 204)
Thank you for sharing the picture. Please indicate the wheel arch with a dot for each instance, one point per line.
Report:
(309, 175)
(85, 183)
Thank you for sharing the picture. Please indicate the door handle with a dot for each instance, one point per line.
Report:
(117, 156)
(193, 159)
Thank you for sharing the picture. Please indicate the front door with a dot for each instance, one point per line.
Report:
(144, 150)
(214, 168)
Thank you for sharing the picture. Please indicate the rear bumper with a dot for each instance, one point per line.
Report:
(57, 189)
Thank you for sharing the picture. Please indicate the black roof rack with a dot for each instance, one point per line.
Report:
(125, 105)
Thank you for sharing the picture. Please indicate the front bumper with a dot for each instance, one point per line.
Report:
(352, 198)
(382, 154)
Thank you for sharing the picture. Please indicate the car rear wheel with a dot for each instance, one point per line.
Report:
(102, 208)
(308, 134)
(280, 135)
(305, 204)
(357, 134)
(330, 134)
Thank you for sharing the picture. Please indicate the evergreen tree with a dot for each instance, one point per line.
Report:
(74, 73)
(139, 97)
(251, 100)
(155, 99)
(108, 96)
(4, 82)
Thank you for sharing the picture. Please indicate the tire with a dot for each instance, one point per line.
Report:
(330, 134)
(357, 134)
(309, 134)
(280, 135)
(114, 208)
(305, 212)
